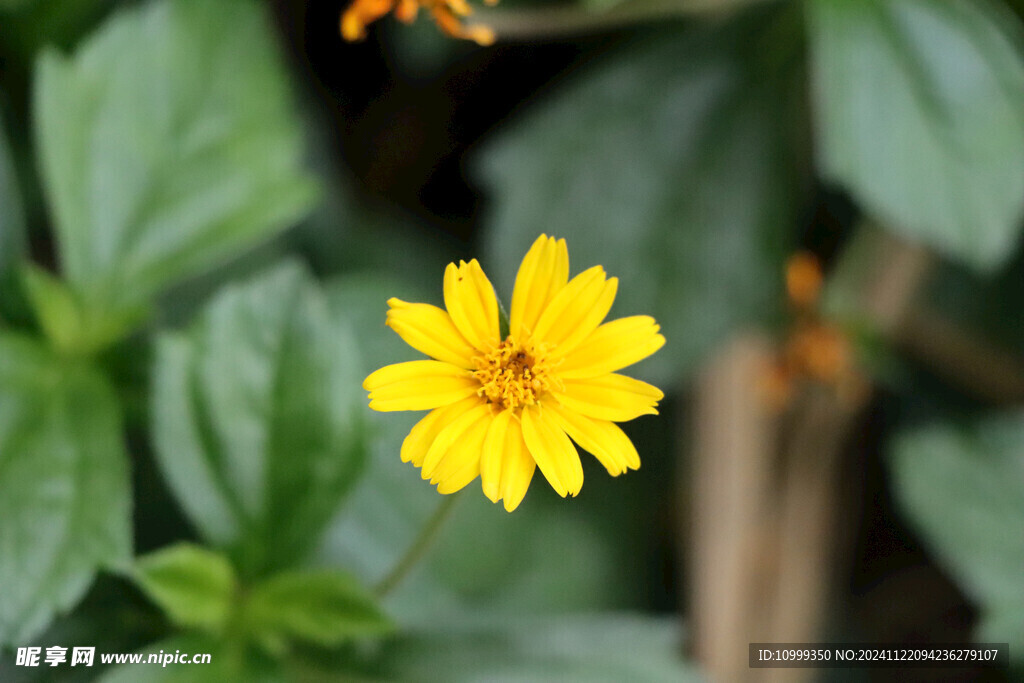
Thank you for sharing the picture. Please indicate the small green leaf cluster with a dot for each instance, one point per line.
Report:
(199, 590)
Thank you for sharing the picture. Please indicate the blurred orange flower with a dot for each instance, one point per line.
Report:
(803, 279)
(447, 14)
(814, 349)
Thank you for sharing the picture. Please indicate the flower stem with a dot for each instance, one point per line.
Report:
(419, 546)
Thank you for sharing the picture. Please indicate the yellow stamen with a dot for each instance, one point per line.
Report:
(513, 375)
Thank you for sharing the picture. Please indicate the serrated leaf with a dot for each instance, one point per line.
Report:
(257, 418)
(920, 115)
(666, 164)
(324, 607)
(593, 649)
(963, 489)
(193, 585)
(166, 145)
(64, 493)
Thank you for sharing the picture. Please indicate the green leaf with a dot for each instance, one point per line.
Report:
(64, 495)
(594, 648)
(257, 418)
(71, 326)
(1005, 624)
(666, 164)
(963, 489)
(193, 585)
(920, 115)
(166, 145)
(324, 607)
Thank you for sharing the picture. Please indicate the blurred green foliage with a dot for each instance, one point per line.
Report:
(212, 163)
(257, 418)
(64, 494)
(918, 114)
(961, 485)
(586, 648)
(669, 164)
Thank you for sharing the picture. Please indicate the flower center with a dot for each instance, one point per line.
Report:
(513, 375)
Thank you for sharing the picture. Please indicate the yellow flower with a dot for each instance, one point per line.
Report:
(446, 13)
(501, 408)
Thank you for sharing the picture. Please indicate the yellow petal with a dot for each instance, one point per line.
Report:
(552, 451)
(469, 298)
(542, 274)
(506, 467)
(430, 330)
(417, 443)
(605, 440)
(517, 467)
(419, 385)
(610, 397)
(492, 457)
(451, 433)
(461, 464)
(613, 346)
(576, 311)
